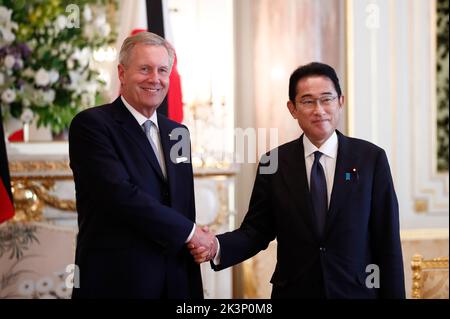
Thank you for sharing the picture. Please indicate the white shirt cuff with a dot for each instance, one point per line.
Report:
(190, 235)
(216, 259)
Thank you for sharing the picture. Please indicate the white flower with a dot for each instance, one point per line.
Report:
(27, 116)
(44, 285)
(9, 61)
(75, 79)
(5, 15)
(26, 102)
(100, 20)
(82, 56)
(42, 77)
(32, 43)
(53, 75)
(90, 87)
(87, 13)
(40, 98)
(8, 96)
(104, 30)
(26, 288)
(2, 78)
(48, 96)
(61, 22)
(87, 99)
(70, 64)
(7, 35)
(88, 31)
(61, 274)
(62, 291)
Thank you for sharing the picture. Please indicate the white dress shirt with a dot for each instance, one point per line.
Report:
(141, 119)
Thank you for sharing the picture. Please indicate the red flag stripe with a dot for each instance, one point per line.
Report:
(175, 97)
(6, 207)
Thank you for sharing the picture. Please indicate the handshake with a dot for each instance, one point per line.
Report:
(203, 245)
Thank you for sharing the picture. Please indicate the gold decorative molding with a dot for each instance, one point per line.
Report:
(421, 206)
(248, 268)
(38, 166)
(218, 169)
(30, 198)
(418, 265)
(214, 174)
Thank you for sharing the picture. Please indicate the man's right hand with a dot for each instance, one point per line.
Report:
(203, 245)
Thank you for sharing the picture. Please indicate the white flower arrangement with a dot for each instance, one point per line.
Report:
(46, 57)
(47, 287)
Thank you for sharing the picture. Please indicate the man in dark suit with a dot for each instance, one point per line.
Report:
(135, 196)
(331, 205)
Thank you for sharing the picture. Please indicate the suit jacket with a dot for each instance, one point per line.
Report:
(362, 227)
(132, 222)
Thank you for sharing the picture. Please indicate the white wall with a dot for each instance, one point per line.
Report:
(391, 100)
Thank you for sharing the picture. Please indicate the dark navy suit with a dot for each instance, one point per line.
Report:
(362, 227)
(132, 222)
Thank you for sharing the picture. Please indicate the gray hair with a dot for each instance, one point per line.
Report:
(146, 38)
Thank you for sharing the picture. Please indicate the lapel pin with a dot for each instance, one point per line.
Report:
(349, 176)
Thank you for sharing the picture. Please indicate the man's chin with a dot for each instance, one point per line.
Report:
(152, 104)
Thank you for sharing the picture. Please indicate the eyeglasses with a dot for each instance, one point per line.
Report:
(310, 103)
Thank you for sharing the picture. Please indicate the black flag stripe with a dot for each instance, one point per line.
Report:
(155, 24)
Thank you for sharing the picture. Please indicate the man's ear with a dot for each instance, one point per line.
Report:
(120, 72)
(292, 109)
(341, 101)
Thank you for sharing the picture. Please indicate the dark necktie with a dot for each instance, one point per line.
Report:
(318, 188)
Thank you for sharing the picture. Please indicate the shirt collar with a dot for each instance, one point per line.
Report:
(141, 119)
(329, 148)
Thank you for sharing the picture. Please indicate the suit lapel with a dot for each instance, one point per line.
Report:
(342, 186)
(293, 170)
(135, 133)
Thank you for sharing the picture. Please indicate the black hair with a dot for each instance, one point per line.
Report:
(311, 69)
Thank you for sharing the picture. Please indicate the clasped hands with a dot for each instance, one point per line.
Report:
(203, 245)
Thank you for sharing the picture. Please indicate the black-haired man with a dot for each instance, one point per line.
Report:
(331, 205)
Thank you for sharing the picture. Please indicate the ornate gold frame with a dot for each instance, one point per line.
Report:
(418, 264)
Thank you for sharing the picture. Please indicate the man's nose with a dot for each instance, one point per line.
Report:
(318, 108)
(153, 76)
